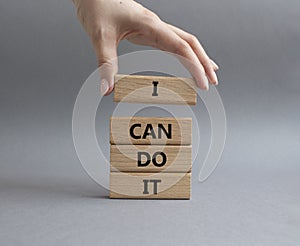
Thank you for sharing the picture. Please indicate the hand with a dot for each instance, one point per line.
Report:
(107, 22)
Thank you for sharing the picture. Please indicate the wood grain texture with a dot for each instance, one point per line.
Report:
(181, 131)
(168, 185)
(140, 89)
(124, 158)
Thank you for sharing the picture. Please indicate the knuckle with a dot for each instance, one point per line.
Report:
(149, 16)
(107, 65)
(149, 21)
(193, 40)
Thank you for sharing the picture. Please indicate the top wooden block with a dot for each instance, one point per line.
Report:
(154, 89)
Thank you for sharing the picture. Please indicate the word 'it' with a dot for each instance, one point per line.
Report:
(149, 131)
(155, 184)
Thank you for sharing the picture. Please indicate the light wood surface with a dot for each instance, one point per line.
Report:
(124, 158)
(154, 89)
(168, 185)
(181, 130)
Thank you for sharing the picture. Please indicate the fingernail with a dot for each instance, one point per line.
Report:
(104, 86)
(216, 65)
(215, 79)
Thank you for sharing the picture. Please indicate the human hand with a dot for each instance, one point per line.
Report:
(107, 22)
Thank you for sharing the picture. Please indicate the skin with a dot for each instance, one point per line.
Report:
(107, 22)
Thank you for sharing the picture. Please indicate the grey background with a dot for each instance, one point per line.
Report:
(251, 199)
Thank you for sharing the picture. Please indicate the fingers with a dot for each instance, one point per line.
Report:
(106, 51)
(209, 65)
(166, 39)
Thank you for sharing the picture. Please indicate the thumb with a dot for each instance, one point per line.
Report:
(106, 51)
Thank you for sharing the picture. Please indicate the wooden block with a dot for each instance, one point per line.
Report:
(154, 89)
(150, 158)
(143, 130)
(150, 186)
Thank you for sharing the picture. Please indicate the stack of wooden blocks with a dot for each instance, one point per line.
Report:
(151, 157)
